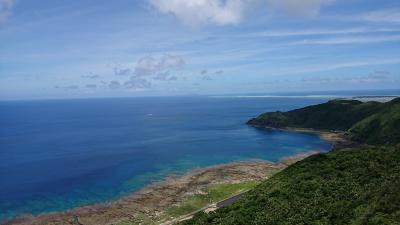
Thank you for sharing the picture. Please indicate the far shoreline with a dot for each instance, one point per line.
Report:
(337, 139)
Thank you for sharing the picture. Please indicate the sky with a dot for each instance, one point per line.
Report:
(102, 48)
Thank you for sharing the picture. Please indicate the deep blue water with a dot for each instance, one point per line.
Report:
(58, 154)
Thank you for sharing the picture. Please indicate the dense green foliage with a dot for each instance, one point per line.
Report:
(361, 186)
(381, 127)
(370, 122)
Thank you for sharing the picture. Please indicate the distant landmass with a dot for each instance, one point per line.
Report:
(370, 122)
(358, 185)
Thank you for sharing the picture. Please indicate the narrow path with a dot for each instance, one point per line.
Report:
(209, 208)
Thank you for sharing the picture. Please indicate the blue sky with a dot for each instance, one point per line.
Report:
(102, 48)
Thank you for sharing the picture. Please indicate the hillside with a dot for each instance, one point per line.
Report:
(381, 127)
(361, 186)
(347, 186)
(369, 122)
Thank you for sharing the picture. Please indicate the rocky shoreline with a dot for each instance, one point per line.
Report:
(154, 199)
(338, 139)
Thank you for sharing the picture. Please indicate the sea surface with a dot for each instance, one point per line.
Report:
(59, 154)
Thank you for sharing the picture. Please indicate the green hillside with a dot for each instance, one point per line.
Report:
(370, 122)
(381, 127)
(361, 186)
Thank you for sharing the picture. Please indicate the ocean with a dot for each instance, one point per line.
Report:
(60, 154)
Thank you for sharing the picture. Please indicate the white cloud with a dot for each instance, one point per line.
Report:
(307, 8)
(171, 61)
(6, 7)
(227, 12)
(122, 71)
(91, 86)
(137, 83)
(206, 77)
(199, 12)
(348, 40)
(70, 87)
(323, 67)
(91, 76)
(311, 32)
(152, 66)
(329, 67)
(156, 68)
(114, 84)
(385, 15)
(374, 77)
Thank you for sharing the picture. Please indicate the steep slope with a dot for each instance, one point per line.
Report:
(382, 127)
(361, 186)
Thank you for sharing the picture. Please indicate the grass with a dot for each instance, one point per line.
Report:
(211, 194)
(140, 219)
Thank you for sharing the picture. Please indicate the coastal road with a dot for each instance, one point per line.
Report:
(230, 201)
(209, 208)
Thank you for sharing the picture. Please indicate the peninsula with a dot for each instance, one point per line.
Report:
(355, 184)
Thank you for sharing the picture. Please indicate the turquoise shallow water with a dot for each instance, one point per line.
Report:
(56, 155)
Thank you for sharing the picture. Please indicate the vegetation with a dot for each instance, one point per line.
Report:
(212, 194)
(381, 127)
(361, 186)
(195, 202)
(369, 122)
